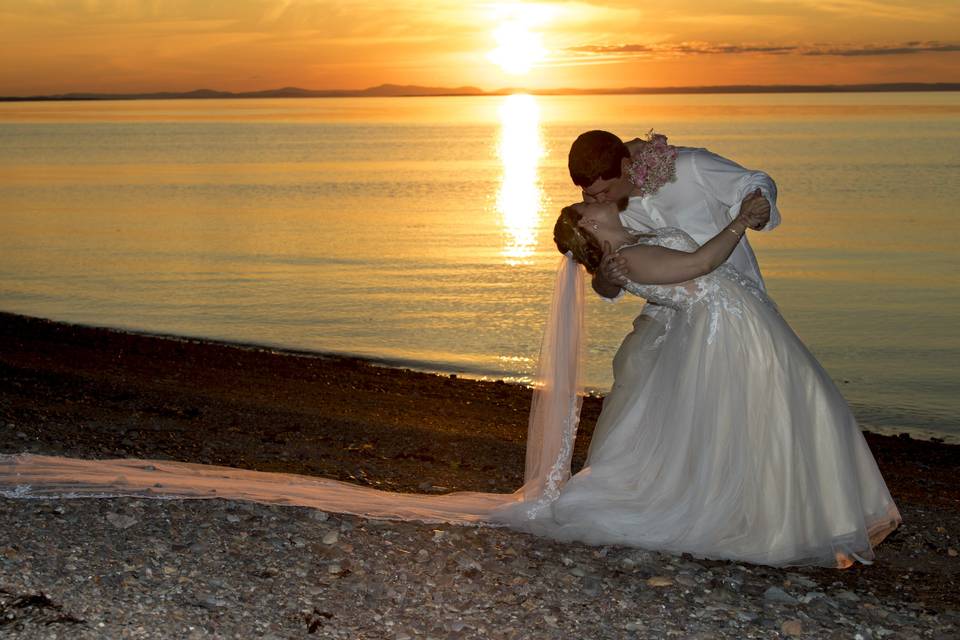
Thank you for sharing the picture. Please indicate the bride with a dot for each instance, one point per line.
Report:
(733, 443)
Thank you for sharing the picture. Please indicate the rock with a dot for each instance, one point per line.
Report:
(802, 580)
(592, 585)
(847, 596)
(686, 580)
(952, 552)
(634, 626)
(211, 602)
(810, 596)
(778, 595)
(121, 521)
(722, 595)
(791, 628)
(319, 516)
(331, 537)
(21, 435)
(232, 518)
(659, 581)
(733, 583)
(642, 557)
(578, 571)
(470, 567)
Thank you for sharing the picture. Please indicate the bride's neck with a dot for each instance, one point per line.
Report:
(618, 238)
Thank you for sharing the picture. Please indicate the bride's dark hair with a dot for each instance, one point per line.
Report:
(570, 237)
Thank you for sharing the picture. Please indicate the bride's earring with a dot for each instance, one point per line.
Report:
(595, 226)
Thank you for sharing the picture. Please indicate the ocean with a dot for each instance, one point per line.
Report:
(417, 231)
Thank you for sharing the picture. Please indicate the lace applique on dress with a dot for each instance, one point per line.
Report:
(708, 289)
(560, 470)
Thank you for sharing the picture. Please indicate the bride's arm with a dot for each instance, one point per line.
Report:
(659, 265)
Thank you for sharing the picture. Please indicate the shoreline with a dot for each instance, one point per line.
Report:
(34, 331)
(524, 381)
(98, 393)
(402, 364)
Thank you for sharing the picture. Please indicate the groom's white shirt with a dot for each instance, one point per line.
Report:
(703, 200)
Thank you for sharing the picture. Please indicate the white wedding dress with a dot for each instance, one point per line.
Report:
(722, 437)
(730, 441)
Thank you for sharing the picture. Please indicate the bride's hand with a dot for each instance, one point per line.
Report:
(613, 266)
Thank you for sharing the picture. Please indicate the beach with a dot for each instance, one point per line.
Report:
(140, 568)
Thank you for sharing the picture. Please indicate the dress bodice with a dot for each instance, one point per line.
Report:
(708, 288)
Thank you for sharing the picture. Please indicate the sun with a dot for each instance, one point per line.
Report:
(518, 48)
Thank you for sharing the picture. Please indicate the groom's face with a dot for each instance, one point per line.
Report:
(611, 190)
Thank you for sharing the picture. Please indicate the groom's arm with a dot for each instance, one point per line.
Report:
(732, 184)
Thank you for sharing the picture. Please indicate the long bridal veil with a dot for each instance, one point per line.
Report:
(552, 428)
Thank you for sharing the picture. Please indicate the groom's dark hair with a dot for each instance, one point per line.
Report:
(596, 155)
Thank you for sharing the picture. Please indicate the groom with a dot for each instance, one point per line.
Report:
(666, 186)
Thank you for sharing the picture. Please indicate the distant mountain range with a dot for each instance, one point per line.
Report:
(397, 91)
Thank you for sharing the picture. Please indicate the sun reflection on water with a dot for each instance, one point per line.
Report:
(520, 198)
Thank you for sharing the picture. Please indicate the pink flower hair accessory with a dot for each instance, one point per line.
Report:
(653, 165)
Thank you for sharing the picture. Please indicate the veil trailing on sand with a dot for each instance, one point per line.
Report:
(554, 416)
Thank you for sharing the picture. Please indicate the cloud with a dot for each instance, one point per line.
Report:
(600, 53)
(680, 48)
(884, 50)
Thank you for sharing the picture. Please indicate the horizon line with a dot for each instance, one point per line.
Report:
(395, 90)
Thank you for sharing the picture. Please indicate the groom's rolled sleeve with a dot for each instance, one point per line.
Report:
(730, 184)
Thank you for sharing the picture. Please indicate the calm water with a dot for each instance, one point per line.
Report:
(417, 230)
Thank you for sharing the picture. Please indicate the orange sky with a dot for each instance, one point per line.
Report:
(57, 46)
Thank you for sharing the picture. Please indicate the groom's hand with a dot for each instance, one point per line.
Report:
(755, 209)
(613, 266)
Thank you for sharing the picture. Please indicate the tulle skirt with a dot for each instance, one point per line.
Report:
(725, 438)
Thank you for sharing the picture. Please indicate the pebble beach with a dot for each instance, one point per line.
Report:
(139, 568)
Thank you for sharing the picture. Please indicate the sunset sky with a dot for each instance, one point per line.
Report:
(57, 46)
